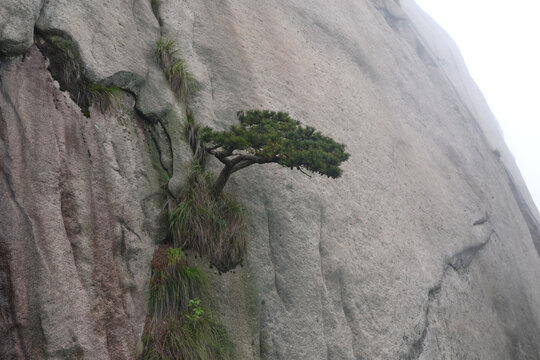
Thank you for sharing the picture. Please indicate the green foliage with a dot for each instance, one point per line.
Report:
(188, 338)
(180, 78)
(66, 67)
(273, 137)
(195, 310)
(68, 55)
(165, 52)
(105, 97)
(172, 287)
(178, 326)
(211, 225)
(175, 256)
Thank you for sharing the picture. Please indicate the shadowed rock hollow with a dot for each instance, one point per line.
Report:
(424, 249)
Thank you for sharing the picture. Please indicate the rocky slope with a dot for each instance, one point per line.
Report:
(422, 250)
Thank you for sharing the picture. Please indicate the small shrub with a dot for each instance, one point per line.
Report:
(173, 283)
(212, 225)
(180, 78)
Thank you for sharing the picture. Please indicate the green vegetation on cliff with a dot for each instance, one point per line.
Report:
(272, 137)
(67, 68)
(212, 225)
(175, 68)
(178, 325)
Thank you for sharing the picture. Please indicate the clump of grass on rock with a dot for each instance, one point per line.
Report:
(178, 326)
(176, 70)
(211, 224)
(173, 282)
(104, 97)
(187, 339)
(191, 134)
(66, 67)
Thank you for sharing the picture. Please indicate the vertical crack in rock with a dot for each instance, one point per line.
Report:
(277, 281)
(530, 219)
(169, 149)
(162, 162)
(347, 313)
(417, 348)
(123, 251)
(329, 319)
(321, 217)
(323, 277)
(458, 262)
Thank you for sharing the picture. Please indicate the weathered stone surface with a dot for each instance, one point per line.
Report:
(116, 41)
(116, 38)
(17, 18)
(423, 250)
(361, 268)
(442, 51)
(81, 205)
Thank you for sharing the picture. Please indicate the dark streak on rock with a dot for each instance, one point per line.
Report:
(458, 262)
(528, 215)
(277, 285)
(481, 221)
(463, 259)
(347, 313)
(154, 134)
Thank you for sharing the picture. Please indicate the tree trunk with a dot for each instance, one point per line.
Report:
(224, 175)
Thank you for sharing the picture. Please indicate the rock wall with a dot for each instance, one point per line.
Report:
(81, 202)
(422, 250)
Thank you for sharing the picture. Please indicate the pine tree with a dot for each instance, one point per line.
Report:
(272, 137)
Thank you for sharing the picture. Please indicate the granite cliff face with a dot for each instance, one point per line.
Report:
(424, 249)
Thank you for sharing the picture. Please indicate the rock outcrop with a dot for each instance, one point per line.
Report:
(424, 249)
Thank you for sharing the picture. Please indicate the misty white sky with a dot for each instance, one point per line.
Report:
(500, 41)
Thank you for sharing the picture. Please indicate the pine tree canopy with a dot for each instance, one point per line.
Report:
(273, 137)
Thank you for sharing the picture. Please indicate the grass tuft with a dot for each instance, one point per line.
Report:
(191, 134)
(177, 326)
(212, 225)
(68, 56)
(66, 67)
(187, 338)
(104, 97)
(176, 70)
(174, 283)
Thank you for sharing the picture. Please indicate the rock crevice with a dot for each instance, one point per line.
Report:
(458, 262)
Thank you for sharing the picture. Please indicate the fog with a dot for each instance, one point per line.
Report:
(500, 41)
